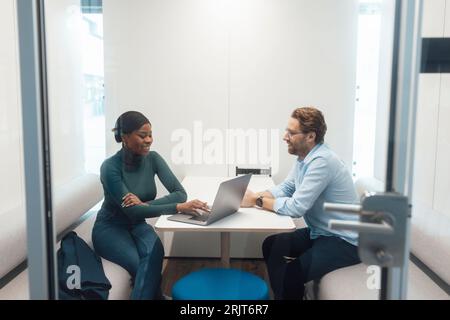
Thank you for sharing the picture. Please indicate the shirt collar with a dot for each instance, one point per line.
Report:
(310, 156)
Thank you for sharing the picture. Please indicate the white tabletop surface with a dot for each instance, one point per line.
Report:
(245, 220)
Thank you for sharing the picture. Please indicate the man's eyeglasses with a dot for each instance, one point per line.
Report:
(291, 134)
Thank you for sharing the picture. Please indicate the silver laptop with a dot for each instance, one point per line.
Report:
(228, 201)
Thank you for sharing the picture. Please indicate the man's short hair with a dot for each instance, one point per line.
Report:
(311, 120)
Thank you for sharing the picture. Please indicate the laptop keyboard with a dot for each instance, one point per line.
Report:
(199, 218)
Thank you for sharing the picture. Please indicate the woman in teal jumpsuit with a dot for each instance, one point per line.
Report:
(120, 233)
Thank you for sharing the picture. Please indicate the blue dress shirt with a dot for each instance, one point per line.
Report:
(320, 177)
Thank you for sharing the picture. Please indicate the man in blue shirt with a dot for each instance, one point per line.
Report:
(318, 176)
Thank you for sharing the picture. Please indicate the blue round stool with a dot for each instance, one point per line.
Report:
(220, 284)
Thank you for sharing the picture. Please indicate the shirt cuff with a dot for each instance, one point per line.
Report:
(276, 192)
(279, 204)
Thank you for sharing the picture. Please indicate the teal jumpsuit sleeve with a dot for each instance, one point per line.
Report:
(111, 177)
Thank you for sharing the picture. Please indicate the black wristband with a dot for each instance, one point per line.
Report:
(259, 201)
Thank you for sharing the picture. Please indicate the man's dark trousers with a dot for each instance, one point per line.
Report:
(294, 259)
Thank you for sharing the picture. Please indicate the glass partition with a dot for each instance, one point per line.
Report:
(212, 86)
(13, 240)
(217, 81)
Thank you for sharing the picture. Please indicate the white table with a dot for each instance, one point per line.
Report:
(245, 220)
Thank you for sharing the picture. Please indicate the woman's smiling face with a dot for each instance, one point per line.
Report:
(139, 141)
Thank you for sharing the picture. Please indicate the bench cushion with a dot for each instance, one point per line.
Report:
(70, 202)
(351, 284)
(17, 289)
(430, 239)
(13, 235)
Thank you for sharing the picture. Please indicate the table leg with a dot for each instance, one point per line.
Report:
(225, 249)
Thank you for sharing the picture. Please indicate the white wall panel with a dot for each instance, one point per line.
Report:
(12, 194)
(442, 183)
(169, 60)
(433, 18)
(290, 54)
(426, 135)
(64, 65)
(447, 19)
(430, 239)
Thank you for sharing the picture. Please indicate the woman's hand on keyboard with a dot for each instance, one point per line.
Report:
(194, 207)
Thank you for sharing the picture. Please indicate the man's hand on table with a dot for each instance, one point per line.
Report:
(249, 199)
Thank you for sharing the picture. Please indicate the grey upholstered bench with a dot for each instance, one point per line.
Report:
(71, 202)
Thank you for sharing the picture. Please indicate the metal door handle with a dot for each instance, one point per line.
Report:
(362, 227)
(343, 207)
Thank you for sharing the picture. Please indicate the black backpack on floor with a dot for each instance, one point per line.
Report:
(80, 271)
